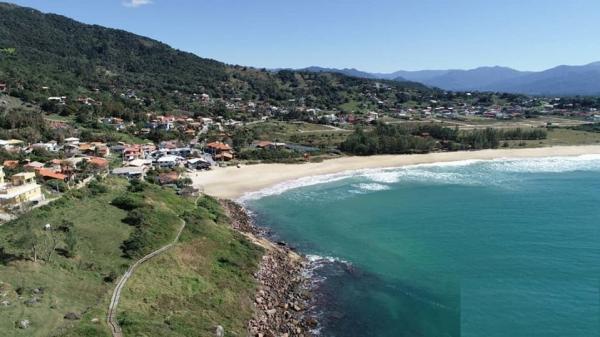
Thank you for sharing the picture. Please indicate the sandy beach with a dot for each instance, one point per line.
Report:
(233, 182)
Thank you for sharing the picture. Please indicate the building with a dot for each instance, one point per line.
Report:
(168, 161)
(3, 87)
(21, 190)
(130, 172)
(33, 166)
(219, 151)
(47, 174)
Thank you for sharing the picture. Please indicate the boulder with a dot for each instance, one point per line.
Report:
(24, 324)
(220, 332)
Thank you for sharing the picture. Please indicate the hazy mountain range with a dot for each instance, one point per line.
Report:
(561, 80)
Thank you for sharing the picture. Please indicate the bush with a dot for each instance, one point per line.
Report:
(135, 218)
(57, 185)
(127, 202)
(136, 186)
(95, 187)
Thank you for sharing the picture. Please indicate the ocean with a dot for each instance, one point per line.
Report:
(474, 248)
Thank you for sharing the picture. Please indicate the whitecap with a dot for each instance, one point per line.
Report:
(441, 173)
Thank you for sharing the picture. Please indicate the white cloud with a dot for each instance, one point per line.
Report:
(136, 3)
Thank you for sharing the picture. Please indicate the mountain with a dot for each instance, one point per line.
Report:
(474, 79)
(346, 71)
(561, 80)
(45, 55)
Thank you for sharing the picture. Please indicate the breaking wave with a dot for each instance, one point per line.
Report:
(495, 172)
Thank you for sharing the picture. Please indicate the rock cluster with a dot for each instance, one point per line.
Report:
(282, 300)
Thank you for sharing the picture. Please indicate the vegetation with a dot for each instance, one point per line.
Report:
(396, 139)
(70, 268)
(131, 75)
(204, 281)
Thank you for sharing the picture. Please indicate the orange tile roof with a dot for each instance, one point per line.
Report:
(219, 146)
(46, 173)
(10, 164)
(98, 161)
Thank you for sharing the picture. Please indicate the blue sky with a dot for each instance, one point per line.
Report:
(377, 36)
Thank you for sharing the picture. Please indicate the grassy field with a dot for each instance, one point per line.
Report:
(212, 263)
(204, 282)
(561, 136)
(69, 285)
(316, 135)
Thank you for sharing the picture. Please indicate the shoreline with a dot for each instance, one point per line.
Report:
(282, 300)
(233, 183)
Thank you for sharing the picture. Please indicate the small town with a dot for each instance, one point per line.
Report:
(299, 168)
(197, 143)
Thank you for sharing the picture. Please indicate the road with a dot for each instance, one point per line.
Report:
(111, 318)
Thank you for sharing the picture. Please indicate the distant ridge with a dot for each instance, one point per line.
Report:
(561, 80)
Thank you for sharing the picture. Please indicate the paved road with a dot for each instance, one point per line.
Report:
(111, 318)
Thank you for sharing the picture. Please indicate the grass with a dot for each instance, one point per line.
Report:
(561, 136)
(302, 133)
(70, 285)
(203, 281)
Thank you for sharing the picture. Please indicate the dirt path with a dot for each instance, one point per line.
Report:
(111, 318)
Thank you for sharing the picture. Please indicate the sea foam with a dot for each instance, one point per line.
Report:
(455, 172)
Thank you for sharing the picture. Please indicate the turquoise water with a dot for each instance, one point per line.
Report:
(496, 248)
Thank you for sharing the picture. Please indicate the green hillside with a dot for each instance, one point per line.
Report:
(45, 275)
(45, 55)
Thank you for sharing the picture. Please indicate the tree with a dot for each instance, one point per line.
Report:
(71, 243)
(30, 241)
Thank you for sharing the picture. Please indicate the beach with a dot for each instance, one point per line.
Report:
(233, 182)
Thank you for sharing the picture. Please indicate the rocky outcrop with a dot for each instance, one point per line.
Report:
(282, 299)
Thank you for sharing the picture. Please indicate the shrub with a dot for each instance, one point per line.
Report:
(127, 202)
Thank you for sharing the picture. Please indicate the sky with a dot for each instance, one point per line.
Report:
(375, 36)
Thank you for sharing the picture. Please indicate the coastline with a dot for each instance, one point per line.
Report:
(282, 299)
(233, 182)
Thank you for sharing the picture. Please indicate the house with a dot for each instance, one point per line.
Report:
(168, 161)
(58, 99)
(198, 164)
(140, 163)
(51, 146)
(11, 145)
(11, 164)
(3, 87)
(133, 152)
(33, 166)
(72, 141)
(71, 150)
(98, 163)
(224, 156)
(47, 174)
(265, 144)
(130, 172)
(220, 151)
(21, 190)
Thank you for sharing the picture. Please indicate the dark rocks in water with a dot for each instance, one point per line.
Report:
(71, 316)
(282, 300)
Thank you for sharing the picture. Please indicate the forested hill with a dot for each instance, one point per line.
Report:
(45, 55)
